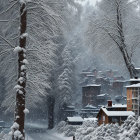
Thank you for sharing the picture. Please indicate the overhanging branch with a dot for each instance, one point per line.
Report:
(7, 41)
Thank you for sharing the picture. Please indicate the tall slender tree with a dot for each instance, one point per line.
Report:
(20, 95)
(111, 23)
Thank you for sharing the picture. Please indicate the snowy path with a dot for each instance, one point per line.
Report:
(49, 135)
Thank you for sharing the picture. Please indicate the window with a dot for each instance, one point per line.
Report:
(115, 119)
(103, 118)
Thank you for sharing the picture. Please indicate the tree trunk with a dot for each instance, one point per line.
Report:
(20, 94)
(51, 103)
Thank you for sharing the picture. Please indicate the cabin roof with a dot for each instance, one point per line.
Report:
(75, 119)
(117, 113)
(70, 106)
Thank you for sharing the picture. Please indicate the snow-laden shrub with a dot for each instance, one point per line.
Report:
(106, 132)
(130, 130)
(68, 130)
(94, 132)
(3, 136)
(84, 130)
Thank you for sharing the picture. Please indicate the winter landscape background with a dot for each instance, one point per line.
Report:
(46, 46)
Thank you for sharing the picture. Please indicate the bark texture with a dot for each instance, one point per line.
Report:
(20, 97)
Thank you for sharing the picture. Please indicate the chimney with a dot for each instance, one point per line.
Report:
(109, 103)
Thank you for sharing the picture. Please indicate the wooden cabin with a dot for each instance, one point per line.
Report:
(115, 113)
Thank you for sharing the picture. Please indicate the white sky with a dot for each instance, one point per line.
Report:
(92, 2)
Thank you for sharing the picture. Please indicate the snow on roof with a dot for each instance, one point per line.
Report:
(118, 106)
(90, 119)
(137, 68)
(86, 72)
(75, 119)
(134, 85)
(92, 85)
(90, 106)
(101, 95)
(71, 106)
(134, 79)
(118, 113)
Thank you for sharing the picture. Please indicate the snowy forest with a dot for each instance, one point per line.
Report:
(69, 70)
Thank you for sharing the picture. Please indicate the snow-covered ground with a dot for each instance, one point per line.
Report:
(38, 131)
(49, 135)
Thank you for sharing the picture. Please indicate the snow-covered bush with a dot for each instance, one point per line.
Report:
(83, 131)
(60, 127)
(3, 136)
(130, 130)
(106, 132)
(93, 132)
(68, 130)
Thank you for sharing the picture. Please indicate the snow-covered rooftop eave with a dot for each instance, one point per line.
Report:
(118, 113)
(101, 95)
(133, 86)
(131, 80)
(92, 85)
(75, 119)
(137, 68)
(90, 106)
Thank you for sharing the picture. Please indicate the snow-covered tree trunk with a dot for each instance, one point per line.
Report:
(20, 88)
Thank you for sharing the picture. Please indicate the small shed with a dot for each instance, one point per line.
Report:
(74, 120)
